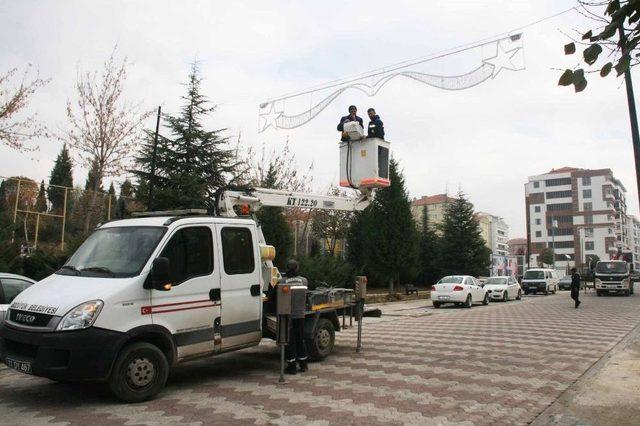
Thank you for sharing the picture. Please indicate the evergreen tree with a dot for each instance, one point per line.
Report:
(126, 194)
(429, 251)
(41, 200)
(193, 162)
(383, 241)
(61, 175)
(274, 226)
(93, 182)
(462, 248)
(126, 189)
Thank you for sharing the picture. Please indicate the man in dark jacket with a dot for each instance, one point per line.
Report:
(296, 351)
(351, 117)
(376, 127)
(575, 286)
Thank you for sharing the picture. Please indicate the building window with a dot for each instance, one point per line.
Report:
(561, 206)
(559, 194)
(588, 245)
(587, 206)
(586, 193)
(559, 231)
(610, 231)
(562, 244)
(588, 219)
(557, 182)
(588, 232)
(586, 180)
(559, 219)
(538, 222)
(537, 209)
(538, 234)
(536, 184)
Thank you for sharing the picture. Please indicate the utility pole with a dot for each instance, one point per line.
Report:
(633, 117)
(553, 240)
(153, 163)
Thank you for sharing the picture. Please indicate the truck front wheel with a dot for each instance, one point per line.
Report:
(321, 344)
(139, 373)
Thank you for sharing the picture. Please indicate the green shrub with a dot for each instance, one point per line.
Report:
(331, 270)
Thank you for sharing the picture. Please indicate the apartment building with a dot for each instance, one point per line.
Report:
(495, 232)
(578, 212)
(633, 237)
(435, 205)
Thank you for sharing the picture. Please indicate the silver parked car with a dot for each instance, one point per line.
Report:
(10, 286)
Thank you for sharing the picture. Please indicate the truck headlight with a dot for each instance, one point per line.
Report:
(81, 317)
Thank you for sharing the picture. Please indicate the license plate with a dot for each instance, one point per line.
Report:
(22, 366)
(443, 297)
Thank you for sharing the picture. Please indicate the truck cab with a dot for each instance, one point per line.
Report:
(613, 276)
(139, 296)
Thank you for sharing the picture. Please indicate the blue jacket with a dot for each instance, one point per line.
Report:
(376, 128)
(346, 119)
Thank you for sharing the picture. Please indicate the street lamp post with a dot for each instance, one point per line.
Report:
(554, 223)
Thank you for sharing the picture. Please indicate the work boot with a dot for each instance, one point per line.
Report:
(291, 368)
(303, 366)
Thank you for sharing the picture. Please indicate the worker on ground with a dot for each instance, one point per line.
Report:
(376, 127)
(575, 286)
(295, 352)
(347, 118)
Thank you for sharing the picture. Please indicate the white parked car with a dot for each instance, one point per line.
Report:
(10, 286)
(503, 288)
(458, 289)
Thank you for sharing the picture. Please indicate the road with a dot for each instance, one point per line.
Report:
(504, 363)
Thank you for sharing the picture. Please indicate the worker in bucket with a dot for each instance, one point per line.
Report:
(376, 127)
(347, 118)
(295, 352)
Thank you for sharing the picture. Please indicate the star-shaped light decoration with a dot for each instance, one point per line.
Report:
(502, 59)
(270, 117)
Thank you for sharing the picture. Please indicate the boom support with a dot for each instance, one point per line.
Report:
(259, 197)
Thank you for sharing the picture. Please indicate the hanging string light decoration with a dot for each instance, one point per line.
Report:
(506, 53)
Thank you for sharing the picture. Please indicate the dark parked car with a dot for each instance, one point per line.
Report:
(565, 283)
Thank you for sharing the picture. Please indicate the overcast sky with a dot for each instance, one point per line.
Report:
(486, 140)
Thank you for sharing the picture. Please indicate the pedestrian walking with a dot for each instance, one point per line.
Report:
(575, 286)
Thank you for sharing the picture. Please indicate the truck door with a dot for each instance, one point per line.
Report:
(240, 285)
(187, 310)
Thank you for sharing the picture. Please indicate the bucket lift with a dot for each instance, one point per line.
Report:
(364, 162)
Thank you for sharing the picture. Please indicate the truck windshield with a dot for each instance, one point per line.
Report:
(611, 268)
(117, 252)
(534, 275)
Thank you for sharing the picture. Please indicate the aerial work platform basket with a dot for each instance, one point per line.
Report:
(364, 163)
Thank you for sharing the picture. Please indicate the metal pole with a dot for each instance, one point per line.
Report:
(360, 314)
(64, 217)
(35, 242)
(281, 378)
(153, 162)
(633, 117)
(553, 241)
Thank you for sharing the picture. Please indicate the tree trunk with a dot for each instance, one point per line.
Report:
(391, 282)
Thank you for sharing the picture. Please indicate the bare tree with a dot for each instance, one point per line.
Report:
(331, 225)
(15, 128)
(103, 128)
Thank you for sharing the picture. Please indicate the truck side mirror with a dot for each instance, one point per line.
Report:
(160, 276)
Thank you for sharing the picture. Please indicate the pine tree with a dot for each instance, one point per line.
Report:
(462, 248)
(61, 175)
(41, 200)
(192, 163)
(383, 241)
(93, 182)
(429, 251)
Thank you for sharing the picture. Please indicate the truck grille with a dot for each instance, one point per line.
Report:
(31, 319)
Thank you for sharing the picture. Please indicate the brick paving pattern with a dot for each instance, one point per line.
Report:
(501, 364)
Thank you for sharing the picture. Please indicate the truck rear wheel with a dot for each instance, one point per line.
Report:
(139, 373)
(321, 344)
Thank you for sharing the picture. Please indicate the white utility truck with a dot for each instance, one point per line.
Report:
(144, 294)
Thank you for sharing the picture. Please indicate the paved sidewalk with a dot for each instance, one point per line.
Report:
(505, 363)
